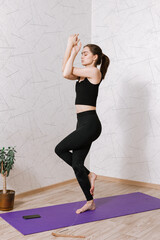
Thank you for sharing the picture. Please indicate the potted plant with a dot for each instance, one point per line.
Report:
(7, 158)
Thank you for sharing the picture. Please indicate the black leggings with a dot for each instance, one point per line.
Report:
(88, 129)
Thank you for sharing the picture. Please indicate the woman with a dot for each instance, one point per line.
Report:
(88, 127)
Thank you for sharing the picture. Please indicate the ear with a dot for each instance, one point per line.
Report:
(95, 57)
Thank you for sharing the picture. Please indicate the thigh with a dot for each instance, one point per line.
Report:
(78, 139)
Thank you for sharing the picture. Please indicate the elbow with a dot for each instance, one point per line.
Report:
(64, 75)
(63, 72)
(66, 72)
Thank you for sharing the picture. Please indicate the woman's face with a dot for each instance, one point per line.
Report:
(87, 58)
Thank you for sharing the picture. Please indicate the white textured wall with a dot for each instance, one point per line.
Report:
(36, 103)
(128, 102)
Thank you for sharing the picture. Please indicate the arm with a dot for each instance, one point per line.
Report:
(67, 54)
(72, 40)
(91, 72)
(68, 70)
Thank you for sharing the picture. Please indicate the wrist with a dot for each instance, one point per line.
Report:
(69, 44)
(73, 54)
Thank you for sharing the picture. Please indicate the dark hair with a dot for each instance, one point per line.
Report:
(102, 58)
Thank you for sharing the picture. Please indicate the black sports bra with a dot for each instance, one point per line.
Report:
(86, 92)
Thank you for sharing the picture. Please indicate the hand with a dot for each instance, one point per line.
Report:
(73, 39)
(76, 49)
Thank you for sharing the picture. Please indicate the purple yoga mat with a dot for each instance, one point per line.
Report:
(64, 215)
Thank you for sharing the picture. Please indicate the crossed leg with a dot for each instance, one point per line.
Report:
(79, 142)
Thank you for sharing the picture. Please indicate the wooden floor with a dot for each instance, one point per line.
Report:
(142, 226)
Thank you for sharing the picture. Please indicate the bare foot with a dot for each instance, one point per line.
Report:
(92, 177)
(90, 205)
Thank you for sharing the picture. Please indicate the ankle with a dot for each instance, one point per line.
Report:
(90, 201)
(91, 173)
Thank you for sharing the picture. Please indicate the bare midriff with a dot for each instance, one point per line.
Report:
(82, 108)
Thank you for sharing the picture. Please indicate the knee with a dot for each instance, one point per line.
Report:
(57, 150)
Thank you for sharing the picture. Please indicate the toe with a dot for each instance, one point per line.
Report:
(79, 211)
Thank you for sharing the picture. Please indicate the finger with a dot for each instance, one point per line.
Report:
(77, 41)
(77, 36)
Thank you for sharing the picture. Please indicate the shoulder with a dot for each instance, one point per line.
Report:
(96, 78)
(96, 72)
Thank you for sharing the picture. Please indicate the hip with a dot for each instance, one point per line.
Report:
(89, 119)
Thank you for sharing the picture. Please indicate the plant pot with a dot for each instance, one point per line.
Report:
(7, 200)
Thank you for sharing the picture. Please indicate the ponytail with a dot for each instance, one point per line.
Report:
(104, 65)
(102, 58)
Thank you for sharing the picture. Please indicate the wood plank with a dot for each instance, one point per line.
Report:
(142, 226)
